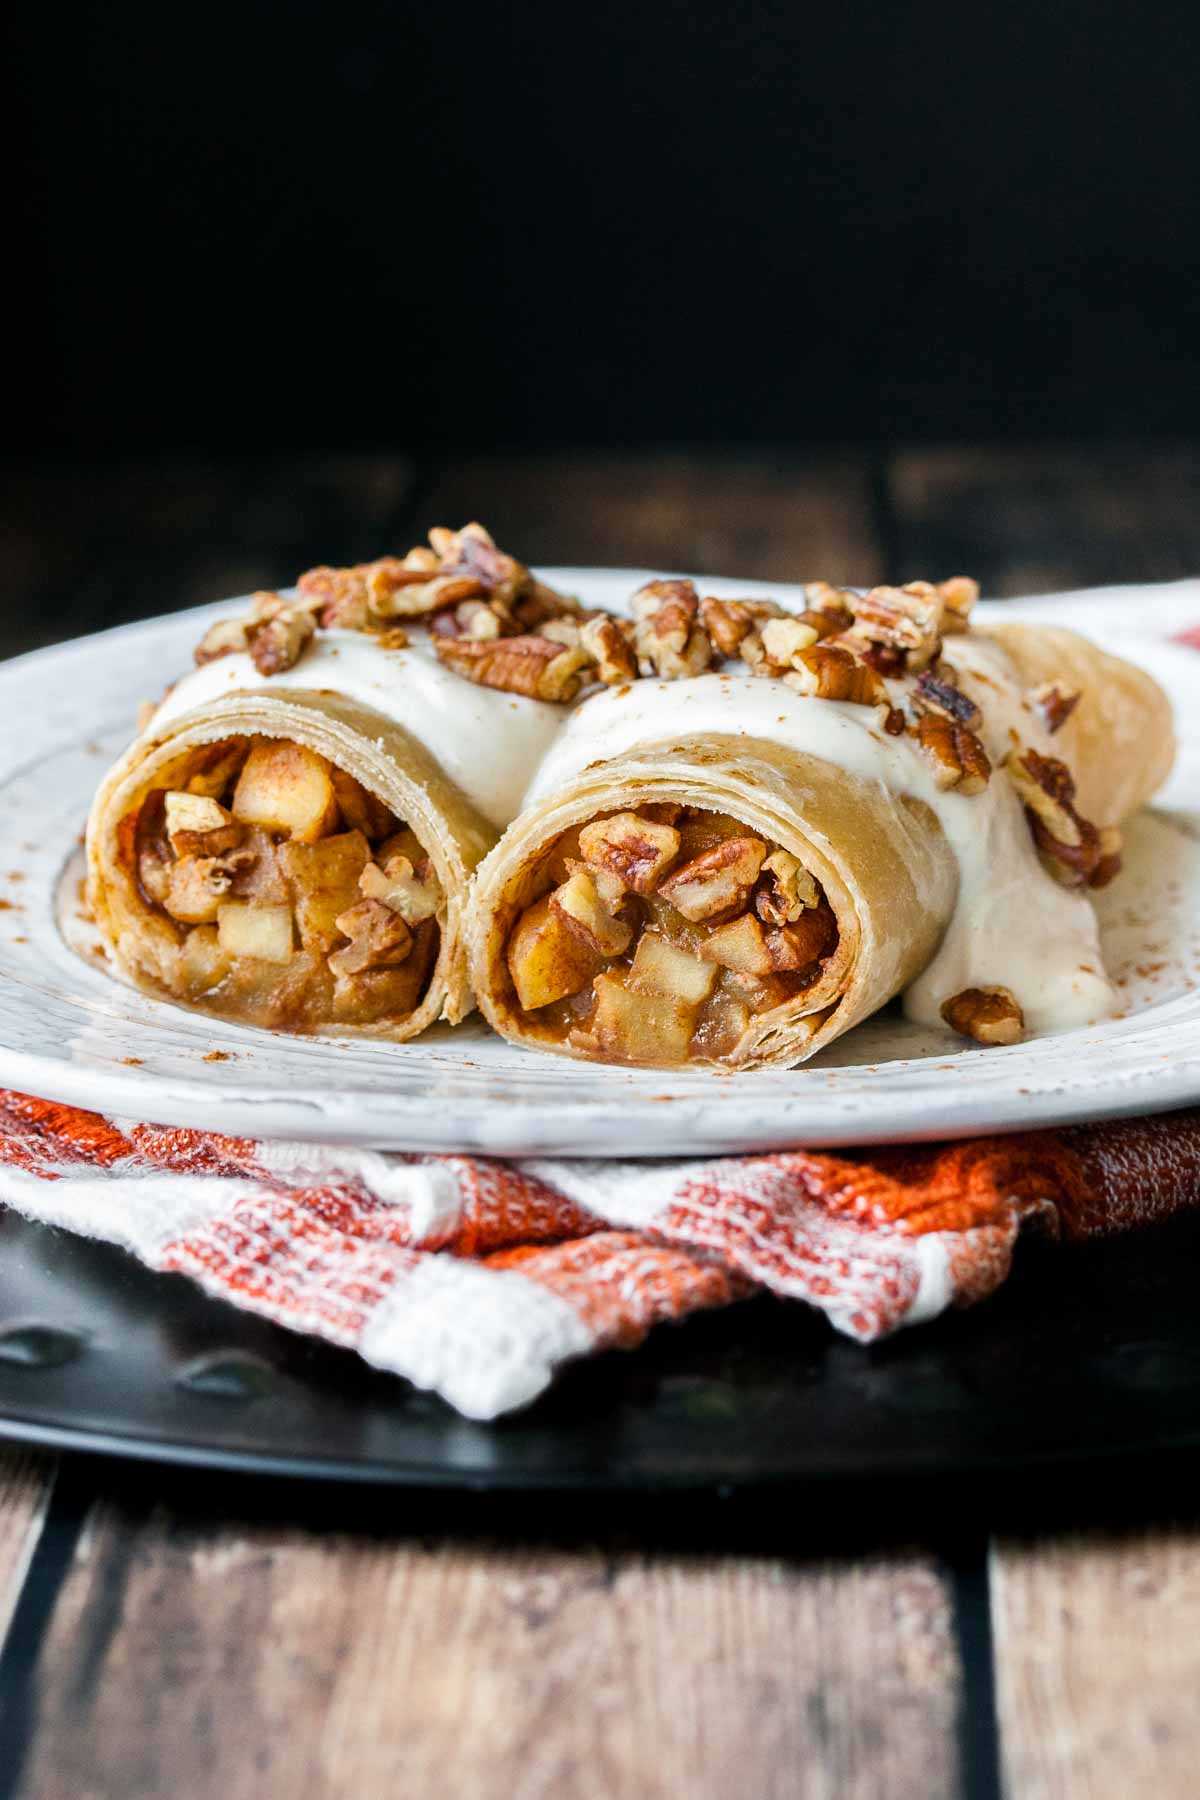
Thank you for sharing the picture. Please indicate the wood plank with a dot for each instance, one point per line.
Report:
(1031, 521)
(777, 518)
(25, 1484)
(187, 1657)
(85, 547)
(1098, 1663)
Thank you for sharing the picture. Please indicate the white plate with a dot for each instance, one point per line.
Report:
(69, 1032)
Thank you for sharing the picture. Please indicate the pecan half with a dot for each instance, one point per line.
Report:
(608, 645)
(472, 552)
(990, 1015)
(636, 850)
(959, 759)
(534, 666)
(1054, 702)
(717, 880)
(668, 640)
(832, 672)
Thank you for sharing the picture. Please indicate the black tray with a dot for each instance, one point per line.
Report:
(1086, 1352)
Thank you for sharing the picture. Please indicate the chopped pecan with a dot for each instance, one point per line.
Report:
(668, 640)
(829, 609)
(804, 941)
(539, 603)
(785, 640)
(469, 619)
(608, 645)
(280, 640)
(534, 666)
(414, 893)
(226, 638)
(937, 691)
(959, 759)
(472, 552)
(906, 619)
(588, 902)
(1070, 845)
(958, 596)
(833, 672)
(716, 881)
(1109, 863)
(990, 1015)
(728, 622)
(195, 814)
(379, 938)
(785, 889)
(1054, 701)
(634, 849)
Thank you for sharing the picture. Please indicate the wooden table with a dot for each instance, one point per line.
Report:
(171, 1634)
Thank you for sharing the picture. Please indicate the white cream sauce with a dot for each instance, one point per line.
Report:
(1013, 924)
(488, 743)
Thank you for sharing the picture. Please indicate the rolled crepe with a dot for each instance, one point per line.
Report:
(922, 890)
(361, 772)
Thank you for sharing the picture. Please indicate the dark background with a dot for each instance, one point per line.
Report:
(274, 226)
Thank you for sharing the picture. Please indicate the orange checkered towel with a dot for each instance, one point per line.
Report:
(478, 1278)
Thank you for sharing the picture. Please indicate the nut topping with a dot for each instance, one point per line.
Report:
(1055, 702)
(1073, 850)
(832, 672)
(635, 850)
(729, 622)
(906, 619)
(534, 666)
(958, 595)
(669, 643)
(608, 644)
(785, 640)
(716, 881)
(990, 1015)
(959, 759)
(937, 692)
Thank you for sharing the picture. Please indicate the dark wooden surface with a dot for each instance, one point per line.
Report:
(163, 1635)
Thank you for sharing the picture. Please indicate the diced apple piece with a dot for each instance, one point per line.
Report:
(416, 897)
(588, 907)
(546, 959)
(203, 964)
(324, 881)
(717, 880)
(193, 894)
(638, 1027)
(287, 788)
(660, 968)
(379, 939)
(361, 809)
(261, 931)
(725, 1022)
(636, 850)
(192, 813)
(739, 945)
(404, 842)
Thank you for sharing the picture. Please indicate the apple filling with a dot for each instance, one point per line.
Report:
(297, 898)
(659, 935)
